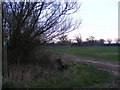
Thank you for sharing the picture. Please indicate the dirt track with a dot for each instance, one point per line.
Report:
(111, 66)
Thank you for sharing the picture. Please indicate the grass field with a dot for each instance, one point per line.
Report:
(77, 75)
(102, 53)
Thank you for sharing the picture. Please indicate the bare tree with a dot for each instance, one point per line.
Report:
(78, 38)
(102, 41)
(90, 39)
(30, 23)
(87, 39)
(109, 41)
(63, 38)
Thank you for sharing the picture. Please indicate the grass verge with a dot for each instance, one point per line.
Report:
(77, 75)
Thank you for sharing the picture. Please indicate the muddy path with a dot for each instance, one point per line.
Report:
(110, 66)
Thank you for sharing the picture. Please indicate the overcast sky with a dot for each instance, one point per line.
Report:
(99, 19)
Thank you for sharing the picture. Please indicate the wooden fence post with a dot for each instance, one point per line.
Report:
(5, 64)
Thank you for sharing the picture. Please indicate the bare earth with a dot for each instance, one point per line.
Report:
(110, 66)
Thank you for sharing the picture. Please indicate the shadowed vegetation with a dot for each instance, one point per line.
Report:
(77, 75)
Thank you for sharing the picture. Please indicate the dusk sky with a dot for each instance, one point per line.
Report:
(99, 19)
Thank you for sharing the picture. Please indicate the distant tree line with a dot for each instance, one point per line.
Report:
(90, 41)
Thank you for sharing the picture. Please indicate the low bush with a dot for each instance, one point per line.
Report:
(39, 64)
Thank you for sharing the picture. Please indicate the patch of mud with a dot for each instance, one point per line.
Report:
(110, 66)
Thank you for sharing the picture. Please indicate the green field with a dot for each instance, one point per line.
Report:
(102, 53)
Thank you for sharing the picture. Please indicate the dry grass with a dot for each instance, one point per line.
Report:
(27, 73)
(41, 65)
(77, 75)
